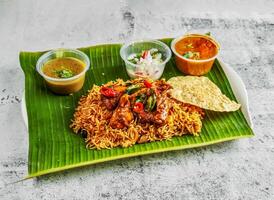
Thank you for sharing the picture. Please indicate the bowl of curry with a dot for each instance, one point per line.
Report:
(195, 53)
(63, 70)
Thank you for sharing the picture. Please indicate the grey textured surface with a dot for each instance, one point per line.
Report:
(240, 169)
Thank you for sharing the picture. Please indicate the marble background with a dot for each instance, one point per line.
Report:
(241, 169)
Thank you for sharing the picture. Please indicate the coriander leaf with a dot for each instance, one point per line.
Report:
(64, 73)
(188, 54)
(208, 33)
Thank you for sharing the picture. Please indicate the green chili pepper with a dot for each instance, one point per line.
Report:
(141, 98)
(133, 88)
(151, 102)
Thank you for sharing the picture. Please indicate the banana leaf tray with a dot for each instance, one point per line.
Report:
(54, 147)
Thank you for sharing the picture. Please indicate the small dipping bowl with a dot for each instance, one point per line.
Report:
(152, 71)
(191, 66)
(64, 86)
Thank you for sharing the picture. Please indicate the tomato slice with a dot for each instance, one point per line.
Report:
(147, 84)
(108, 92)
(138, 107)
(145, 54)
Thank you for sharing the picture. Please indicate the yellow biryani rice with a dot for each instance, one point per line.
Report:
(92, 116)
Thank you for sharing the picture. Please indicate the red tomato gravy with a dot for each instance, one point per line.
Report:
(196, 48)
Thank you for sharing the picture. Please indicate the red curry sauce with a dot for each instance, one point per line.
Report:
(196, 48)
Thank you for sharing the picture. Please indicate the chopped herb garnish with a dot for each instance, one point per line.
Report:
(188, 54)
(191, 55)
(64, 73)
(208, 33)
(189, 46)
(146, 57)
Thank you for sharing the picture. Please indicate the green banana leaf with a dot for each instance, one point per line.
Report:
(54, 147)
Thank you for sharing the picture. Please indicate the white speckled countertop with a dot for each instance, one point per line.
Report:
(241, 169)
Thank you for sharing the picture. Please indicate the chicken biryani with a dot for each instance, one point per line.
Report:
(123, 113)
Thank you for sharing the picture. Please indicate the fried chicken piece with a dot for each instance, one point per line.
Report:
(161, 86)
(159, 116)
(161, 113)
(122, 116)
(146, 117)
(112, 102)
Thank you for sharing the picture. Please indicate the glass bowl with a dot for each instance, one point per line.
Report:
(190, 66)
(151, 71)
(64, 85)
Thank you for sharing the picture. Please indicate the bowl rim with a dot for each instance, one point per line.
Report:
(166, 47)
(40, 64)
(175, 40)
